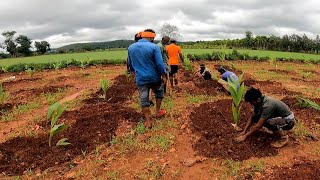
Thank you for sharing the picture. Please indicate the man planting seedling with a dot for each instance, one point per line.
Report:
(225, 77)
(145, 60)
(270, 113)
(204, 72)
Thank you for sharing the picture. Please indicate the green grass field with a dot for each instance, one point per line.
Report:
(122, 54)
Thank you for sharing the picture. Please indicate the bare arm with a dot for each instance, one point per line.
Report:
(256, 127)
(249, 123)
(181, 57)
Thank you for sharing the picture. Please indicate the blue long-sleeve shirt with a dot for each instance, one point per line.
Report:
(227, 76)
(145, 60)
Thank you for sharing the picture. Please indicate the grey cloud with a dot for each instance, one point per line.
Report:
(64, 22)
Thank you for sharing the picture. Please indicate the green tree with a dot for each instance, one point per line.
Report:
(248, 39)
(24, 45)
(9, 45)
(42, 46)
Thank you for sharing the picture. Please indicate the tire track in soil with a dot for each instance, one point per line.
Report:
(96, 123)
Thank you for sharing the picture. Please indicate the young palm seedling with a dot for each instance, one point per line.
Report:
(304, 102)
(222, 56)
(54, 112)
(237, 90)
(57, 65)
(3, 95)
(105, 85)
(187, 64)
(30, 72)
(5, 68)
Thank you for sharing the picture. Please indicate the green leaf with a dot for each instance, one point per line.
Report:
(63, 142)
(240, 78)
(57, 128)
(51, 109)
(54, 112)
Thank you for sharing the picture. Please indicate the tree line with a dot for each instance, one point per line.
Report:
(21, 45)
(289, 43)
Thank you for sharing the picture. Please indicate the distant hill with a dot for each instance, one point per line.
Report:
(97, 45)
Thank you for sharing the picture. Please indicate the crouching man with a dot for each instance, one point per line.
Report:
(270, 113)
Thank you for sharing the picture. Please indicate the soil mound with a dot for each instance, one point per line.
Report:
(122, 88)
(213, 122)
(300, 171)
(94, 124)
(309, 116)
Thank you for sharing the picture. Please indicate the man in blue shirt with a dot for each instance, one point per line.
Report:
(145, 60)
(225, 77)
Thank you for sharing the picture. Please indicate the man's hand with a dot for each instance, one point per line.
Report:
(240, 138)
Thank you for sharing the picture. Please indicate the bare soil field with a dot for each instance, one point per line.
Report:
(193, 141)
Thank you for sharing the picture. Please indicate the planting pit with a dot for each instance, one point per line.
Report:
(122, 88)
(194, 85)
(213, 122)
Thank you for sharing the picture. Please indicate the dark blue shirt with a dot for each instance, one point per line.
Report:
(145, 60)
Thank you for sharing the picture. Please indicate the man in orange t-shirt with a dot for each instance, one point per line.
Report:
(174, 53)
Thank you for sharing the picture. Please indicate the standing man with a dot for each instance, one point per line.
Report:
(162, 44)
(225, 77)
(174, 54)
(270, 113)
(145, 60)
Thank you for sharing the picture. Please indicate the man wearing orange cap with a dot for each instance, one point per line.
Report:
(145, 60)
(174, 54)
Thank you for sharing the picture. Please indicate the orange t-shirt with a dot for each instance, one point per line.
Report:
(173, 54)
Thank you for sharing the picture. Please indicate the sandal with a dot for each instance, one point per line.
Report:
(161, 113)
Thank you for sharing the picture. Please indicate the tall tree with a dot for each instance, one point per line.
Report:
(42, 46)
(170, 30)
(248, 39)
(9, 44)
(24, 45)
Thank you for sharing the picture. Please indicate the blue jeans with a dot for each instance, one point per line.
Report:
(144, 90)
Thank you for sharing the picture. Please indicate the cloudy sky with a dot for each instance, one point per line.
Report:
(62, 22)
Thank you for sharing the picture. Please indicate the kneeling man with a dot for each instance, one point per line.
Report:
(270, 113)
